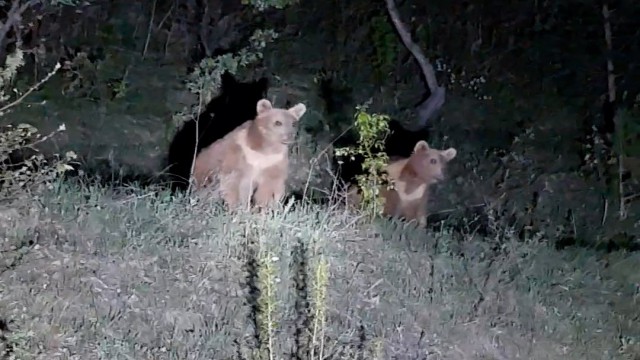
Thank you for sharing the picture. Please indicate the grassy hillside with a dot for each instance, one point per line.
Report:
(92, 273)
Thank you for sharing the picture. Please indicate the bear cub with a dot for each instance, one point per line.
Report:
(252, 161)
(412, 178)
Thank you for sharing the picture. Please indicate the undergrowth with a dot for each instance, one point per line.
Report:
(93, 273)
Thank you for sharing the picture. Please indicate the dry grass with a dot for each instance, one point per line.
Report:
(89, 273)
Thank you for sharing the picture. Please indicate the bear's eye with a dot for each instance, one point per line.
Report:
(278, 123)
(433, 161)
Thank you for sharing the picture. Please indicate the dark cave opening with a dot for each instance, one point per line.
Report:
(235, 105)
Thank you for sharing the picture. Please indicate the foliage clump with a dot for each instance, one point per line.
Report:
(205, 81)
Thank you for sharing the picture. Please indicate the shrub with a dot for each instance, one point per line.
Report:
(32, 170)
(372, 130)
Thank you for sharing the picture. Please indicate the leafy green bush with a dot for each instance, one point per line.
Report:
(372, 130)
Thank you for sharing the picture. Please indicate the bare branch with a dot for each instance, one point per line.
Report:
(31, 89)
(429, 107)
(146, 43)
(405, 35)
(14, 16)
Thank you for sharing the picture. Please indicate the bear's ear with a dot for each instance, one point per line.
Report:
(421, 146)
(264, 105)
(298, 110)
(449, 154)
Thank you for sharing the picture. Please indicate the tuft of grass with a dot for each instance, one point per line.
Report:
(88, 272)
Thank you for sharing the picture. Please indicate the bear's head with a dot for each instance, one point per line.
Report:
(428, 164)
(277, 126)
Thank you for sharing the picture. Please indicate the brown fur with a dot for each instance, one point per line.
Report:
(411, 178)
(252, 161)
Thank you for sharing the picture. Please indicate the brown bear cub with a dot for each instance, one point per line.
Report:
(411, 178)
(252, 161)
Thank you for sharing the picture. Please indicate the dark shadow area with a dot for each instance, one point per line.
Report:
(235, 105)
(399, 143)
(102, 173)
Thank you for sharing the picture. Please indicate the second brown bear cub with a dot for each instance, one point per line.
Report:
(252, 161)
(411, 178)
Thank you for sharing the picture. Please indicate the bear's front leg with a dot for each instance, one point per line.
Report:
(236, 191)
(413, 214)
(421, 214)
(392, 203)
(271, 188)
(268, 194)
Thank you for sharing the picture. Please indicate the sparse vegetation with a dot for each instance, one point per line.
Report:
(89, 272)
(22, 166)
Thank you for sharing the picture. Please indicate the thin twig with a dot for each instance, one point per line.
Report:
(628, 198)
(46, 137)
(146, 43)
(164, 18)
(611, 82)
(190, 187)
(31, 89)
